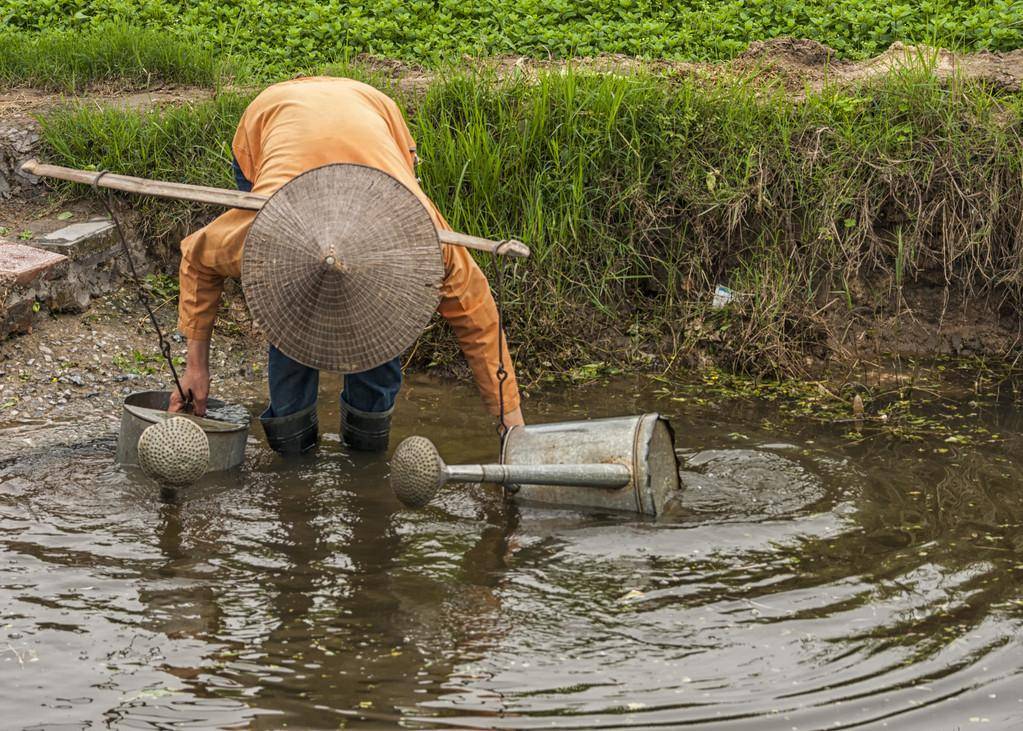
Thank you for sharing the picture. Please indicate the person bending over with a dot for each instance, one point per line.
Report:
(288, 129)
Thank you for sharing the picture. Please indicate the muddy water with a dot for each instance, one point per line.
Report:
(802, 581)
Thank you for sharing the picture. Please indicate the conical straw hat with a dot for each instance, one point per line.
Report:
(342, 268)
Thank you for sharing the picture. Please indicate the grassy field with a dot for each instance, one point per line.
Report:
(639, 194)
(281, 38)
(114, 54)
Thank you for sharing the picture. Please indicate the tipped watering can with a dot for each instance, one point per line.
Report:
(623, 464)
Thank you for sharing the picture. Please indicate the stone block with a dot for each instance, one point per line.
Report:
(26, 276)
(75, 262)
(23, 265)
(79, 241)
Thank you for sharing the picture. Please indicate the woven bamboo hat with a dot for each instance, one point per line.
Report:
(342, 268)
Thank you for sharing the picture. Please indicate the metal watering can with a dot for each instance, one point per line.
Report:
(623, 464)
(145, 412)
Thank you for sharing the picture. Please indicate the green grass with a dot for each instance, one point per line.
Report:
(638, 194)
(189, 143)
(280, 38)
(125, 57)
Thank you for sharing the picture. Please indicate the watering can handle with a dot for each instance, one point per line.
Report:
(231, 199)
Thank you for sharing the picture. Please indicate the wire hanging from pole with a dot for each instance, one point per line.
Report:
(165, 348)
(502, 372)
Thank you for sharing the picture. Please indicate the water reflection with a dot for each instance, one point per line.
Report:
(800, 581)
(318, 610)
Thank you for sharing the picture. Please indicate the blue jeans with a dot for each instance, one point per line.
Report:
(294, 387)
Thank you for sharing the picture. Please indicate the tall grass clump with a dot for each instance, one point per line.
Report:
(124, 56)
(639, 194)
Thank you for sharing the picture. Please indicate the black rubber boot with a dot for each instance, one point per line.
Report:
(292, 434)
(365, 431)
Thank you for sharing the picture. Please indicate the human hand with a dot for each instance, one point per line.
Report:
(513, 418)
(195, 381)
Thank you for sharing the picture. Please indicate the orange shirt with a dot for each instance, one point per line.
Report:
(298, 125)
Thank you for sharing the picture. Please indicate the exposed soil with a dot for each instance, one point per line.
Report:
(799, 64)
(803, 64)
(926, 320)
(73, 367)
(23, 103)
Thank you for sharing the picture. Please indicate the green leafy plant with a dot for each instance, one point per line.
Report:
(179, 41)
(138, 363)
(163, 286)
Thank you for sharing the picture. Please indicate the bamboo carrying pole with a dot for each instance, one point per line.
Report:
(232, 199)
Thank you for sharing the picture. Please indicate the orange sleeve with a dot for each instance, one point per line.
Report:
(467, 303)
(209, 256)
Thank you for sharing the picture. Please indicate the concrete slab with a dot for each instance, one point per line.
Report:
(25, 264)
(77, 231)
(79, 240)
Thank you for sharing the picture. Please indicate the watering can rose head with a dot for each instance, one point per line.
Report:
(175, 451)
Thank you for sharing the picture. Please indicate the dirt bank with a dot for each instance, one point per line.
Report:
(799, 64)
(876, 318)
